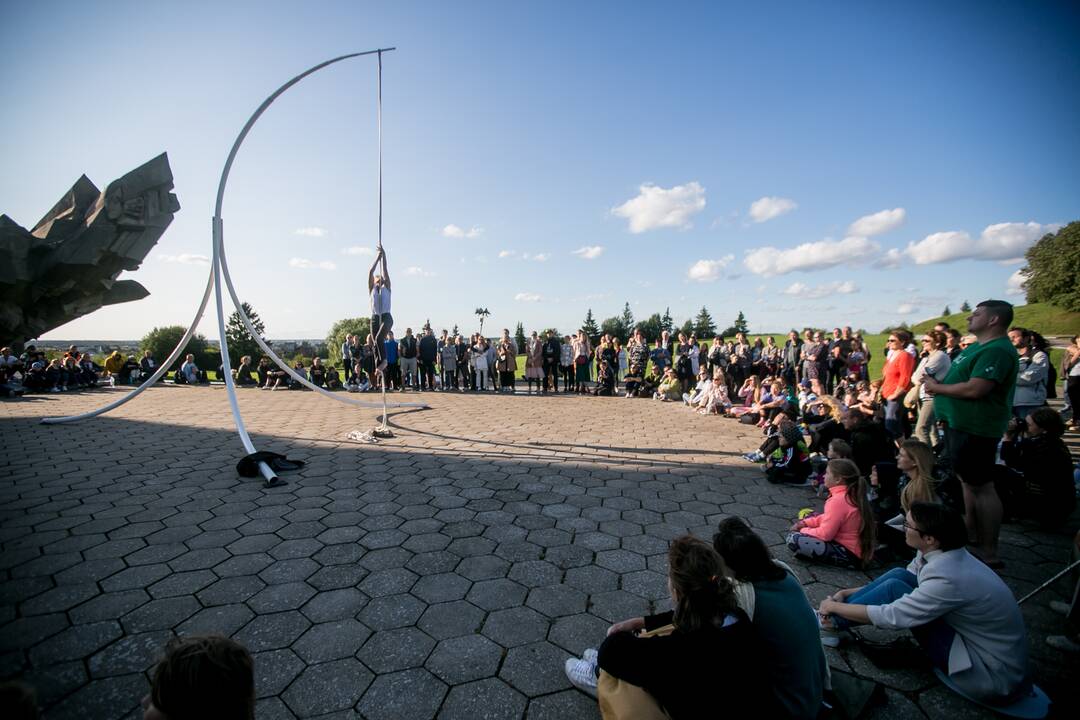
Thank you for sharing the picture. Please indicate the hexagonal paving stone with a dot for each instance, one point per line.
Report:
(462, 659)
(515, 626)
(618, 605)
(289, 571)
(536, 669)
(570, 556)
(620, 561)
(409, 695)
(430, 563)
(490, 698)
(576, 633)
(388, 582)
(274, 670)
(75, 643)
(451, 619)
(160, 614)
(108, 697)
(275, 598)
(496, 594)
(535, 573)
(270, 632)
(219, 620)
(327, 687)
(334, 605)
(230, 590)
(557, 600)
(483, 567)
(390, 650)
(566, 704)
(331, 641)
(392, 611)
(131, 654)
(646, 583)
(182, 583)
(443, 587)
(109, 605)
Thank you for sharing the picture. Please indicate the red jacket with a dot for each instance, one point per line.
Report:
(897, 372)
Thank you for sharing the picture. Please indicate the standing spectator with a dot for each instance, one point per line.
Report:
(952, 343)
(621, 359)
(896, 381)
(465, 373)
(534, 362)
(660, 356)
(974, 401)
(407, 349)
(551, 352)
(480, 362)
(506, 363)
(935, 364)
(789, 358)
(582, 353)
(637, 360)
(742, 358)
(393, 365)
(448, 364)
(1070, 370)
(347, 358)
(429, 351)
(810, 356)
(1031, 378)
(566, 364)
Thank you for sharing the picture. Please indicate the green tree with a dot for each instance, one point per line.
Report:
(687, 327)
(965, 307)
(613, 326)
(651, 328)
(161, 341)
(1053, 266)
(589, 326)
(627, 321)
(519, 337)
(666, 322)
(703, 325)
(947, 311)
(455, 332)
(342, 328)
(740, 323)
(241, 342)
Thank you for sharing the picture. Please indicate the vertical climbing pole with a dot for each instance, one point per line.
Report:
(384, 429)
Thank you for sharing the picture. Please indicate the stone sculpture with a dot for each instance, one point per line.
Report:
(67, 266)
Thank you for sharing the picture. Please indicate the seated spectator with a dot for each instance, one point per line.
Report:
(113, 365)
(789, 462)
(202, 677)
(56, 378)
(715, 399)
(844, 534)
(10, 362)
(693, 395)
(749, 393)
(605, 380)
(828, 426)
(318, 370)
(1033, 449)
(147, 365)
(34, 378)
(130, 372)
(361, 381)
(190, 372)
(670, 388)
(298, 368)
(333, 378)
(685, 660)
(785, 624)
(9, 384)
(243, 374)
(960, 612)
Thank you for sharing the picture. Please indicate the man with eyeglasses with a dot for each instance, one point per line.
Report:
(974, 401)
(959, 611)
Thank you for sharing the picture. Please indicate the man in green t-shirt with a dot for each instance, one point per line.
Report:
(974, 401)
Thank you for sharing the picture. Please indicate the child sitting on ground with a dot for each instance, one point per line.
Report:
(844, 534)
(789, 462)
(670, 388)
(333, 379)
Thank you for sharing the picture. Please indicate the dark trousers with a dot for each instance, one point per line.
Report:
(1072, 389)
(568, 376)
(427, 374)
(551, 376)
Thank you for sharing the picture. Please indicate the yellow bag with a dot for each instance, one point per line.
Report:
(620, 700)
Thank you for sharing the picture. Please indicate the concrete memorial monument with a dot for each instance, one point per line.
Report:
(67, 265)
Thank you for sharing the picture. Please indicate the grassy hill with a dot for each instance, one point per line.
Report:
(1040, 317)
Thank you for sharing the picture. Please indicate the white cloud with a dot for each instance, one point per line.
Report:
(305, 264)
(819, 291)
(708, 270)
(358, 250)
(906, 308)
(527, 297)
(1015, 284)
(185, 259)
(657, 207)
(506, 253)
(893, 258)
(1003, 241)
(416, 271)
(767, 208)
(769, 261)
(589, 252)
(454, 231)
(310, 232)
(538, 257)
(878, 223)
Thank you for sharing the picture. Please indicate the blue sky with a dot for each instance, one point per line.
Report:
(806, 163)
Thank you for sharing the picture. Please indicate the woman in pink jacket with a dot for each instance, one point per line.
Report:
(844, 533)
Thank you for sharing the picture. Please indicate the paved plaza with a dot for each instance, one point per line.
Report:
(447, 572)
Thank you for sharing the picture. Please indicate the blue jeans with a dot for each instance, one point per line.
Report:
(893, 424)
(935, 637)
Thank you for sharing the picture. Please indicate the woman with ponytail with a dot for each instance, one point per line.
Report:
(844, 534)
(684, 661)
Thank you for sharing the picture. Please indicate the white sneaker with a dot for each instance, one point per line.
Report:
(1062, 608)
(590, 654)
(582, 675)
(830, 636)
(1058, 642)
